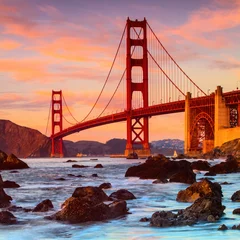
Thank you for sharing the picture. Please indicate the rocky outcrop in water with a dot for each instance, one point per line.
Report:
(11, 162)
(200, 165)
(122, 194)
(105, 185)
(86, 204)
(4, 199)
(200, 189)
(160, 167)
(7, 218)
(236, 196)
(43, 206)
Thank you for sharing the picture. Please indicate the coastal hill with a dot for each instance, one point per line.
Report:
(27, 142)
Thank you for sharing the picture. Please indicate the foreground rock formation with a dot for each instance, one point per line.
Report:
(160, 167)
(9, 162)
(87, 204)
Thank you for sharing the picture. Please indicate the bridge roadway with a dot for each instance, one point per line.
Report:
(231, 98)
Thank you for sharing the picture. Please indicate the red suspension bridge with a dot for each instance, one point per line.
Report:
(150, 82)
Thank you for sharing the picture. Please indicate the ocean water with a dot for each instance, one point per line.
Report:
(38, 183)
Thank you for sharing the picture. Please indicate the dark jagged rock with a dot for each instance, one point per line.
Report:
(236, 196)
(86, 204)
(7, 218)
(122, 194)
(163, 168)
(71, 175)
(99, 166)
(236, 211)
(144, 219)
(200, 165)
(43, 206)
(223, 227)
(236, 227)
(210, 174)
(230, 166)
(71, 160)
(60, 179)
(3, 156)
(10, 184)
(94, 175)
(105, 185)
(162, 181)
(200, 189)
(12, 162)
(14, 171)
(132, 156)
(4, 199)
(78, 166)
(226, 183)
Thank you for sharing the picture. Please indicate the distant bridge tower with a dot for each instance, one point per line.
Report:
(137, 128)
(57, 144)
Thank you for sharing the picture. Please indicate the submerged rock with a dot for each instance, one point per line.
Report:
(99, 166)
(86, 204)
(11, 162)
(4, 199)
(105, 185)
(7, 218)
(199, 189)
(78, 166)
(223, 227)
(122, 194)
(236, 196)
(43, 206)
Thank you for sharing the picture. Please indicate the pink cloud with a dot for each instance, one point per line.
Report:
(8, 44)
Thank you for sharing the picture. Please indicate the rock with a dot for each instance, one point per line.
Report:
(14, 171)
(99, 166)
(3, 156)
(105, 185)
(71, 175)
(208, 178)
(230, 166)
(94, 175)
(10, 184)
(210, 174)
(4, 199)
(157, 181)
(86, 204)
(236, 196)
(60, 179)
(145, 219)
(211, 218)
(12, 162)
(7, 218)
(203, 207)
(163, 168)
(71, 160)
(122, 194)
(223, 227)
(78, 166)
(226, 183)
(236, 211)
(44, 206)
(200, 165)
(132, 156)
(200, 189)
(236, 227)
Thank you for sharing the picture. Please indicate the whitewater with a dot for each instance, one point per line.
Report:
(39, 183)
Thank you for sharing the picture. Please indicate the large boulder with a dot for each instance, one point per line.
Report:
(122, 194)
(86, 204)
(200, 189)
(12, 162)
(105, 185)
(236, 196)
(7, 218)
(230, 166)
(43, 206)
(200, 165)
(163, 168)
(4, 199)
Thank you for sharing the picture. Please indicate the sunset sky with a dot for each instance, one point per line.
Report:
(70, 45)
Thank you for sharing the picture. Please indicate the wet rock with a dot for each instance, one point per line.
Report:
(230, 166)
(122, 194)
(10, 184)
(60, 179)
(7, 218)
(4, 199)
(105, 185)
(71, 160)
(99, 166)
(236, 211)
(11, 162)
(14, 171)
(157, 181)
(86, 204)
(200, 189)
(43, 206)
(79, 176)
(132, 156)
(200, 165)
(210, 174)
(163, 168)
(226, 183)
(71, 175)
(78, 166)
(223, 227)
(236, 227)
(145, 219)
(94, 175)
(236, 196)
(211, 218)
(208, 178)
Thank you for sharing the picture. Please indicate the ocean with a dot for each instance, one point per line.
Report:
(39, 183)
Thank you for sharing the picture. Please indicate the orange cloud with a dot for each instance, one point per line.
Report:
(8, 44)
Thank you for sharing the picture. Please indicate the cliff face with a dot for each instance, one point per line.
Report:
(22, 141)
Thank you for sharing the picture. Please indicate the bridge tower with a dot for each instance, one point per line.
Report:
(57, 144)
(137, 128)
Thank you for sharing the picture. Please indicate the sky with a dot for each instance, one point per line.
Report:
(69, 45)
